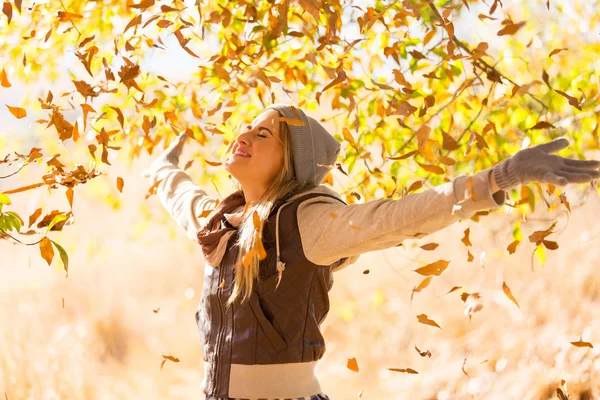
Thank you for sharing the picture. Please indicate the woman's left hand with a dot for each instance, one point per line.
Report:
(537, 164)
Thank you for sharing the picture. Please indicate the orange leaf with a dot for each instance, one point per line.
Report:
(455, 288)
(7, 10)
(18, 112)
(432, 168)
(46, 250)
(33, 217)
(425, 320)
(511, 29)
(424, 283)
(213, 163)
(152, 189)
(120, 184)
(293, 122)
(352, 364)
(69, 194)
(508, 294)
(581, 343)
(563, 199)
(465, 238)
(556, 51)
(435, 268)
(4, 79)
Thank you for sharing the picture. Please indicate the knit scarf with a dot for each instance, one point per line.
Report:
(215, 234)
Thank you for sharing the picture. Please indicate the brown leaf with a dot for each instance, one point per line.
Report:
(134, 21)
(542, 125)
(512, 247)
(7, 10)
(33, 217)
(403, 156)
(156, 310)
(572, 100)
(425, 320)
(352, 364)
(511, 29)
(142, 5)
(18, 112)
(465, 238)
(406, 370)
(430, 246)
(435, 268)
(508, 294)
(425, 353)
(212, 163)
(556, 51)
(581, 343)
(120, 117)
(463, 368)
(550, 245)
(46, 250)
(563, 199)
(4, 79)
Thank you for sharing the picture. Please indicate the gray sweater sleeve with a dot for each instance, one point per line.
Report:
(350, 230)
(182, 198)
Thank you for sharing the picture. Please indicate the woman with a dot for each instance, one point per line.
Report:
(270, 248)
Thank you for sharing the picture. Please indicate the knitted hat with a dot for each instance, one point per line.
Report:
(313, 148)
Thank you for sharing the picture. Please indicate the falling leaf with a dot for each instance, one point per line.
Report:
(510, 28)
(205, 213)
(513, 246)
(424, 283)
(352, 364)
(406, 370)
(46, 250)
(550, 245)
(156, 310)
(465, 238)
(170, 358)
(463, 368)
(581, 343)
(432, 168)
(222, 284)
(563, 199)
(4, 79)
(435, 268)
(425, 320)
(425, 353)
(430, 246)
(18, 112)
(542, 125)
(293, 122)
(455, 288)
(212, 163)
(7, 10)
(152, 189)
(508, 294)
(120, 184)
(120, 117)
(556, 51)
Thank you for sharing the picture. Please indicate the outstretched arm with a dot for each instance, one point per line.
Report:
(331, 230)
(182, 198)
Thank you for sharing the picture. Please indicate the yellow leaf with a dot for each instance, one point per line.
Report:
(46, 250)
(348, 136)
(18, 112)
(352, 364)
(425, 320)
(508, 294)
(435, 268)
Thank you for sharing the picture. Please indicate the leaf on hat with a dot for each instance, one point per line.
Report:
(294, 122)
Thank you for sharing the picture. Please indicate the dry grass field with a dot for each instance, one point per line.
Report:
(127, 259)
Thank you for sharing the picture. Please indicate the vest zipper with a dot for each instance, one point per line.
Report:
(217, 347)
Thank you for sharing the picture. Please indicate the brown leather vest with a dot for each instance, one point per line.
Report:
(273, 326)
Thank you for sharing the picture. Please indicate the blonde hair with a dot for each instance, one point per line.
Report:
(249, 239)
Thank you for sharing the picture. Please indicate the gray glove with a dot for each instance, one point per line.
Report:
(171, 153)
(536, 164)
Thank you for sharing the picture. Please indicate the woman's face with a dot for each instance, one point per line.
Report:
(257, 154)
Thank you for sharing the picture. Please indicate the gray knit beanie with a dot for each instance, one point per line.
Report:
(313, 147)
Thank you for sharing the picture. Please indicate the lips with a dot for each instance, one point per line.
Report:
(241, 153)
